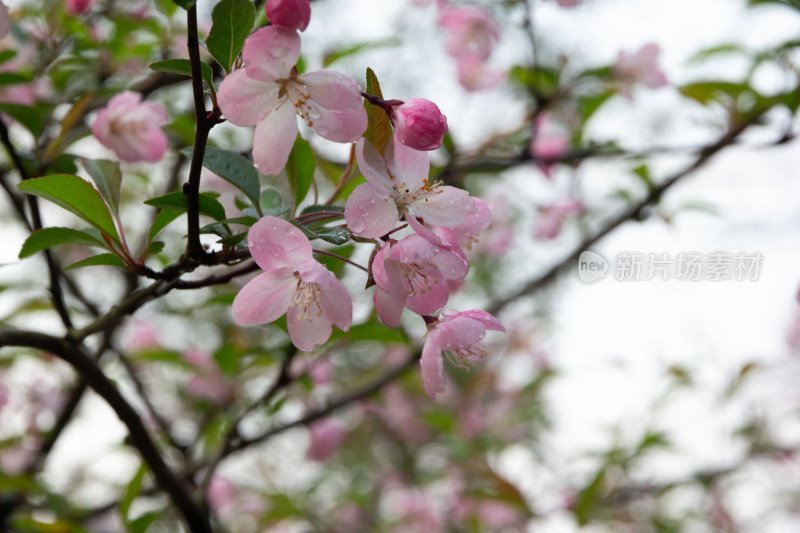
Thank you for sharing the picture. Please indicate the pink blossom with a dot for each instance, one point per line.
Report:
(419, 124)
(469, 29)
(473, 74)
(327, 435)
(413, 273)
(77, 7)
(639, 67)
(397, 185)
(132, 128)
(209, 382)
(294, 282)
(458, 335)
(268, 93)
(294, 14)
(5, 20)
(465, 235)
(552, 218)
(547, 144)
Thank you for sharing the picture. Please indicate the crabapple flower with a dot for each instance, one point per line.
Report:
(639, 67)
(469, 29)
(293, 282)
(547, 145)
(77, 7)
(327, 436)
(413, 273)
(5, 20)
(132, 128)
(294, 14)
(458, 336)
(552, 218)
(473, 74)
(208, 383)
(268, 93)
(466, 234)
(397, 185)
(419, 124)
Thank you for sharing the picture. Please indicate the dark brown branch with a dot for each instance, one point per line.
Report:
(139, 437)
(344, 401)
(218, 279)
(194, 249)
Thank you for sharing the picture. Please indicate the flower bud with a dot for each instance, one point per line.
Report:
(293, 14)
(77, 7)
(419, 124)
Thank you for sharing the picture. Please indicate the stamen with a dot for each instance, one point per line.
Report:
(307, 300)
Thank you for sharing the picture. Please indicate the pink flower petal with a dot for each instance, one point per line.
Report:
(270, 53)
(407, 167)
(370, 211)
(337, 103)
(274, 138)
(275, 243)
(488, 320)
(432, 367)
(245, 101)
(459, 331)
(449, 207)
(372, 165)
(434, 298)
(265, 298)
(335, 299)
(294, 14)
(390, 293)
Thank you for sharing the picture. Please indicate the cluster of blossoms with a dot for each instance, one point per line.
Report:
(417, 271)
(471, 35)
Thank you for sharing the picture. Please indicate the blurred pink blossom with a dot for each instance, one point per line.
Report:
(419, 124)
(327, 435)
(639, 67)
(569, 3)
(551, 218)
(209, 382)
(469, 29)
(547, 144)
(132, 128)
(473, 74)
(5, 20)
(294, 14)
(77, 7)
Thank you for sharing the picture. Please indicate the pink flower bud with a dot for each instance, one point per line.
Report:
(419, 124)
(77, 7)
(293, 14)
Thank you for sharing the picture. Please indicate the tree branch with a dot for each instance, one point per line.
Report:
(139, 437)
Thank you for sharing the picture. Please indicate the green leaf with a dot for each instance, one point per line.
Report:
(132, 491)
(162, 220)
(185, 4)
(30, 117)
(233, 168)
(706, 92)
(99, 260)
(143, 522)
(300, 169)
(184, 67)
(227, 358)
(75, 195)
(336, 236)
(317, 208)
(209, 205)
(331, 57)
(108, 178)
(13, 78)
(232, 22)
(379, 129)
(7, 55)
(45, 238)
